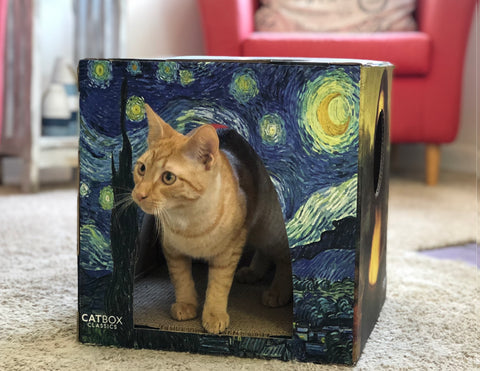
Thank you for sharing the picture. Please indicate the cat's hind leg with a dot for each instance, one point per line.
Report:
(281, 290)
(256, 270)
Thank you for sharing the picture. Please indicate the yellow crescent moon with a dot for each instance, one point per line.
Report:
(326, 122)
(375, 251)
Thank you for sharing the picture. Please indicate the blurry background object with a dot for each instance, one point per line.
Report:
(55, 111)
(36, 33)
(60, 102)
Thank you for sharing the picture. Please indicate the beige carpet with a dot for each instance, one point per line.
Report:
(430, 320)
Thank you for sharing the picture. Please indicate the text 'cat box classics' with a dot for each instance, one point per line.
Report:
(233, 206)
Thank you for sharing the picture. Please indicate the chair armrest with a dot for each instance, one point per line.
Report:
(447, 22)
(226, 24)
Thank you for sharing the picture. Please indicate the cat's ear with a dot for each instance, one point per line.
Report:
(203, 145)
(157, 128)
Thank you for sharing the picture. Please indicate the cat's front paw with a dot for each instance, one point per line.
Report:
(215, 322)
(246, 275)
(183, 311)
(276, 298)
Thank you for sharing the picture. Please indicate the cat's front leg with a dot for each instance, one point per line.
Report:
(215, 318)
(180, 269)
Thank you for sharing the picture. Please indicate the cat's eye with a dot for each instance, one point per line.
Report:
(168, 178)
(141, 169)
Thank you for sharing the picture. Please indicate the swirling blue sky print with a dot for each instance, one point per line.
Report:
(301, 119)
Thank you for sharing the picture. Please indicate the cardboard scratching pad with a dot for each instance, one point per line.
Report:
(153, 295)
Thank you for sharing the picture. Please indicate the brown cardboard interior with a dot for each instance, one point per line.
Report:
(154, 294)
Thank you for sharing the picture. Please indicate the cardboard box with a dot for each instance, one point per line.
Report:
(321, 127)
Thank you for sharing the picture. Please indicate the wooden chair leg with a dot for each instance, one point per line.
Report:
(432, 163)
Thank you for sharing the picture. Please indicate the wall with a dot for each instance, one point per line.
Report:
(462, 155)
(162, 28)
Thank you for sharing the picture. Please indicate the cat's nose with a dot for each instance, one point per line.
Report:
(141, 195)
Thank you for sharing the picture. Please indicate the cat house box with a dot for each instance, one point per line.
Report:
(321, 128)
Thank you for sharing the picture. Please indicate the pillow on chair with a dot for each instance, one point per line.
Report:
(335, 15)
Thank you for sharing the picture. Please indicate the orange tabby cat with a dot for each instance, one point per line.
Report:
(203, 197)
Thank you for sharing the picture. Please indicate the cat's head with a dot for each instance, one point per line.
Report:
(176, 169)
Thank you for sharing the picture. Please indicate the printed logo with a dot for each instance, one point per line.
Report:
(101, 321)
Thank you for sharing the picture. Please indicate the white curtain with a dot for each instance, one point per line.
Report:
(98, 28)
(17, 65)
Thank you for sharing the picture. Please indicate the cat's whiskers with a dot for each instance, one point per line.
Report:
(124, 202)
(123, 197)
(160, 213)
(123, 188)
(161, 216)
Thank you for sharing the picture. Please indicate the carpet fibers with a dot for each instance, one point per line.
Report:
(430, 319)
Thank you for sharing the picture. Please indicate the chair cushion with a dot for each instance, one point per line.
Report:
(410, 52)
(335, 15)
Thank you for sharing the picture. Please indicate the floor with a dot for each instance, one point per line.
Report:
(12, 189)
(469, 254)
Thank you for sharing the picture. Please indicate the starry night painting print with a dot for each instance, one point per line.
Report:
(303, 119)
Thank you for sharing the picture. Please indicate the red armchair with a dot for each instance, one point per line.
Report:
(428, 63)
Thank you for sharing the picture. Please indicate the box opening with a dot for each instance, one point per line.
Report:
(379, 153)
(153, 294)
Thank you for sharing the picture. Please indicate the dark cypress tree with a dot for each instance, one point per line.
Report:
(123, 232)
